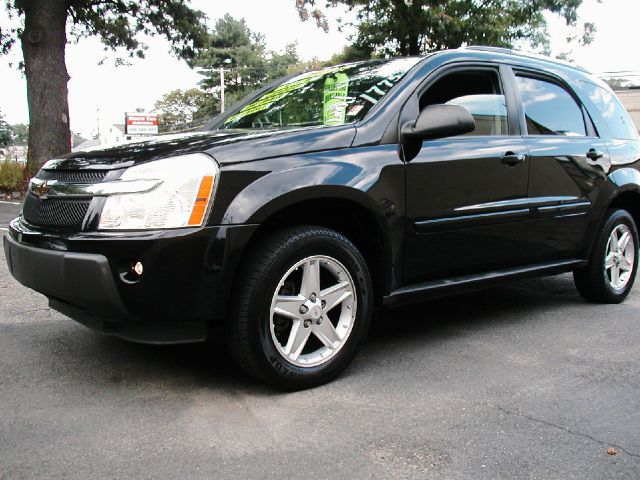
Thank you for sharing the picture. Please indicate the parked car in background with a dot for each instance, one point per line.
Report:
(333, 192)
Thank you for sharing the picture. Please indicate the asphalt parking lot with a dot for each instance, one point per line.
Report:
(520, 382)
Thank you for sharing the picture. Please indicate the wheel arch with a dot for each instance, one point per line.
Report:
(337, 209)
(628, 200)
(626, 192)
(620, 189)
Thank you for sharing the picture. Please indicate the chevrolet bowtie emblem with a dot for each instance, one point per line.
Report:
(39, 188)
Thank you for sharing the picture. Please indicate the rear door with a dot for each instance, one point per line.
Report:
(466, 195)
(568, 162)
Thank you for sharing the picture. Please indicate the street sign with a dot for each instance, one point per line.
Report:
(141, 124)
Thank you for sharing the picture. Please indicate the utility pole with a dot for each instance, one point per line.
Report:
(221, 90)
(98, 120)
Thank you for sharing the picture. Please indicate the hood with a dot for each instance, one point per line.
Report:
(226, 146)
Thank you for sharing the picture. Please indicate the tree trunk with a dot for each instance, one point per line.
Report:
(43, 46)
(414, 44)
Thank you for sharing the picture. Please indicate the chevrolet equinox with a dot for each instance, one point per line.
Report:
(326, 194)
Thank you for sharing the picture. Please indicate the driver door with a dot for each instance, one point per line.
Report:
(466, 195)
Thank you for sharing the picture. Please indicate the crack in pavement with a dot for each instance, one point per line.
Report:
(44, 316)
(560, 427)
(36, 310)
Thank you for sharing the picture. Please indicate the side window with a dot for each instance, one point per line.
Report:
(612, 111)
(477, 91)
(549, 109)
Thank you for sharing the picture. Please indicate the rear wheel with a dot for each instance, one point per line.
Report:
(614, 261)
(303, 305)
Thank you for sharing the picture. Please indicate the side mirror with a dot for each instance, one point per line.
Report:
(439, 121)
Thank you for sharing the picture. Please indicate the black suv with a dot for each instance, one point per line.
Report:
(329, 193)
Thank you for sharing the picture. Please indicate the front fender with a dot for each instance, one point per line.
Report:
(272, 193)
(362, 178)
(370, 178)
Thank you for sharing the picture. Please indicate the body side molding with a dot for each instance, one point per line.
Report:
(441, 288)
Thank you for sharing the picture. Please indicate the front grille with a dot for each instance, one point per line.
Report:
(73, 176)
(54, 212)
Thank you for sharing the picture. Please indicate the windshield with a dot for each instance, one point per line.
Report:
(331, 96)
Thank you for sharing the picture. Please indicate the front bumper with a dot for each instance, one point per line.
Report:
(185, 288)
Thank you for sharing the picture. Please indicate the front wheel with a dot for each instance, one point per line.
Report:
(612, 268)
(302, 308)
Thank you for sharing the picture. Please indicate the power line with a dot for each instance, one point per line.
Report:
(620, 72)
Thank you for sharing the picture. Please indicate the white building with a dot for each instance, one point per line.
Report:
(113, 135)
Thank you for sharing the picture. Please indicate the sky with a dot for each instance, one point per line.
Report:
(104, 92)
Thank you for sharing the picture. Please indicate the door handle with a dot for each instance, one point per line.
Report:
(594, 154)
(512, 159)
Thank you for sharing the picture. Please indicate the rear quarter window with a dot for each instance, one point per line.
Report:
(611, 111)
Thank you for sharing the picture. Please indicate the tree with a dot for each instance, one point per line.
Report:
(5, 132)
(353, 53)
(181, 109)
(280, 64)
(232, 46)
(398, 27)
(117, 23)
(242, 53)
(617, 83)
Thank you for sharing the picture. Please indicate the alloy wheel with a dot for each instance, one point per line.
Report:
(620, 257)
(312, 311)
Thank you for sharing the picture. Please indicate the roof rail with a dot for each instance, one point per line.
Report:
(520, 53)
(490, 48)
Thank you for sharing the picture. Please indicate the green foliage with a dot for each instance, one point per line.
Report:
(617, 83)
(11, 176)
(120, 23)
(280, 64)
(353, 53)
(398, 27)
(242, 53)
(233, 46)
(582, 36)
(5, 132)
(180, 109)
(10, 135)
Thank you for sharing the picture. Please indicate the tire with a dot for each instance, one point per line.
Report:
(597, 281)
(283, 333)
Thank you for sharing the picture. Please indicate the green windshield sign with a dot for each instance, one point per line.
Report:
(267, 100)
(334, 102)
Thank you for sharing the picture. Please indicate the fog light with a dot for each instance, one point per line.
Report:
(130, 271)
(138, 268)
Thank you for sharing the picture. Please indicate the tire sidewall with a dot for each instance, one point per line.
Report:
(275, 365)
(618, 217)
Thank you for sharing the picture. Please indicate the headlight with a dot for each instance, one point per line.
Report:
(181, 199)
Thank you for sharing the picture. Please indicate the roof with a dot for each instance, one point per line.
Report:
(523, 54)
(518, 59)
